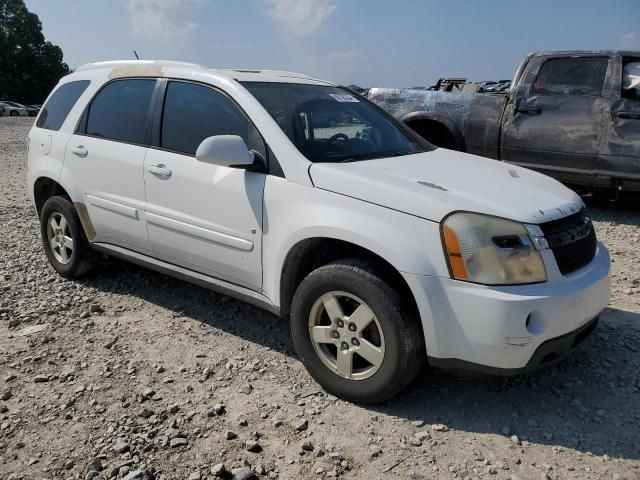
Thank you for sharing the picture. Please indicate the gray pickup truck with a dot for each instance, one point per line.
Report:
(572, 115)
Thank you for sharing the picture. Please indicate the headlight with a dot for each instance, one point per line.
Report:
(490, 250)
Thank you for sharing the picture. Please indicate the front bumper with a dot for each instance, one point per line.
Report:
(547, 354)
(507, 328)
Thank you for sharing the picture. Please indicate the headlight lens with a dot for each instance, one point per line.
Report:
(491, 250)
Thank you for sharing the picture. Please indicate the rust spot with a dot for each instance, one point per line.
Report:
(432, 185)
(144, 70)
(85, 220)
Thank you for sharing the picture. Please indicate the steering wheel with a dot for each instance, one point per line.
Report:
(338, 137)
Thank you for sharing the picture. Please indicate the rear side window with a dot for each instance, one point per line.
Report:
(571, 76)
(194, 112)
(120, 110)
(55, 111)
(631, 78)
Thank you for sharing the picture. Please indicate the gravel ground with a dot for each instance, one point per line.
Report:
(131, 374)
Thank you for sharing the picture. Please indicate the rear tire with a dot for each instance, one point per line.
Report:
(13, 113)
(64, 240)
(366, 363)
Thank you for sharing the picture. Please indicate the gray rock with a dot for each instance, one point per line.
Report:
(95, 465)
(414, 441)
(195, 476)
(146, 412)
(6, 394)
(374, 450)
(121, 446)
(136, 474)
(178, 442)
(299, 424)
(244, 473)
(252, 446)
(219, 470)
(41, 378)
(229, 435)
(305, 392)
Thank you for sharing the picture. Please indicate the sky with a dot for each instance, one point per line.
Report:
(397, 43)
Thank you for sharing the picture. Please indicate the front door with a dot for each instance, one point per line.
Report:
(106, 158)
(201, 216)
(620, 153)
(554, 123)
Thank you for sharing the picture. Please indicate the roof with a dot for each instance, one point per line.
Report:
(156, 67)
(586, 52)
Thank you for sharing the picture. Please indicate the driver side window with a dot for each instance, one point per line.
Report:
(193, 112)
(571, 76)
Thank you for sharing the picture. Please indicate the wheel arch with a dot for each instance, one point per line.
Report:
(446, 131)
(45, 187)
(310, 253)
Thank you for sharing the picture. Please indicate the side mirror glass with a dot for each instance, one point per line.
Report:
(226, 151)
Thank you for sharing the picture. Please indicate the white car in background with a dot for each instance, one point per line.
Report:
(13, 109)
(382, 250)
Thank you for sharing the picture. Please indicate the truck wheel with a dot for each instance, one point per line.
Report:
(354, 334)
(65, 243)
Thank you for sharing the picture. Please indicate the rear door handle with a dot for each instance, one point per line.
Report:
(80, 151)
(159, 169)
(630, 115)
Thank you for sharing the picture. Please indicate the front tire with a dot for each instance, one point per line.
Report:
(354, 333)
(63, 238)
(13, 113)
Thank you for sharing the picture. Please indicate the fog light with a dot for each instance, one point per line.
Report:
(536, 323)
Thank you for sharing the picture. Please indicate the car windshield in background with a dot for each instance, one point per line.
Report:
(329, 124)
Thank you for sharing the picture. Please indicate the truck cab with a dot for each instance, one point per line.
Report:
(574, 116)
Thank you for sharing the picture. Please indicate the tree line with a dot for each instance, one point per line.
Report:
(30, 66)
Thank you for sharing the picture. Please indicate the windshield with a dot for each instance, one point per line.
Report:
(329, 124)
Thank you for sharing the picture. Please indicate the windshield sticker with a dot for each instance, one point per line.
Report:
(344, 98)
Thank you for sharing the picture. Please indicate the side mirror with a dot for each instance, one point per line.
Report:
(225, 150)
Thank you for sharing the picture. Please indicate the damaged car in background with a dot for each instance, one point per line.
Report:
(572, 115)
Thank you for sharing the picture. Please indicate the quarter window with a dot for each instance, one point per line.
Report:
(194, 112)
(55, 111)
(571, 76)
(120, 110)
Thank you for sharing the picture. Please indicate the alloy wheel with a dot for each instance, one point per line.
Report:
(59, 237)
(346, 335)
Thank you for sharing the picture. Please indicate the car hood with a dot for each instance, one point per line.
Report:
(433, 184)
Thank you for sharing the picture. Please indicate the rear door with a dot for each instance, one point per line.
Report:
(620, 153)
(204, 217)
(555, 121)
(106, 157)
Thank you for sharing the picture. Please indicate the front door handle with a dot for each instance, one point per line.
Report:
(629, 115)
(159, 169)
(80, 151)
(529, 110)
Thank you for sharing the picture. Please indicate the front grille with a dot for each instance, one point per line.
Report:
(572, 240)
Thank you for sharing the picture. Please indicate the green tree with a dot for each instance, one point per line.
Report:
(29, 66)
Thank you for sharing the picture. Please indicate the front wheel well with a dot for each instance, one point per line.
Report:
(45, 188)
(312, 253)
(436, 133)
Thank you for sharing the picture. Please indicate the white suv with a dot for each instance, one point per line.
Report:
(304, 198)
